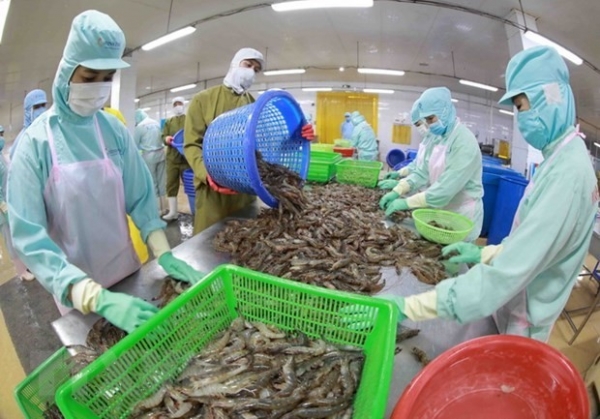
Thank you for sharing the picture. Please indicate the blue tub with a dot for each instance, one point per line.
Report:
(490, 182)
(395, 157)
(492, 160)
(411, 154)
(402, 164)
(510, 192)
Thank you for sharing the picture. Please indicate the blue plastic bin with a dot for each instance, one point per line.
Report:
(510, 192)
(411, 154)
(490, 182)
(492, 160)
(189, 189)
(500, 170)
(178, 141)
(394, 157)
(402, 164)
(271, 125)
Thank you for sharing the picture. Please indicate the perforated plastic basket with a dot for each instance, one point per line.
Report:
(458, 226)
(178, 141)
(322, 166)
(359, 172)
(159, 350)
(271, 125)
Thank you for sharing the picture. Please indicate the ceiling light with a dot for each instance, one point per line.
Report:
(285, 72)
(260, 92)
(597, 145)
(506, 112)
(4, 6)
(169, 37)
(479, 85)
(319, 4)
(385, 91)
(180, 88)
(317, 89)
(342, 68)
(541, 40)
(381, 71)
(136, 100)
(454, 100)
(146, 109)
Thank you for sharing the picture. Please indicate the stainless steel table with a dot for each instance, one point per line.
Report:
(436, 335)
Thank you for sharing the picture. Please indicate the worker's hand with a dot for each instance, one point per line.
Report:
(179, 269)
(217, 188)
(308, 132)
(467, 253)
(387, 199)
(359, 317)
(169, 140)
(397, 205)
(405, 171)
(124, 311)
(387, 184)
(392, 175)
(4, 207)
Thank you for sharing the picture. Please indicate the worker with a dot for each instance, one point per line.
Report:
(347, 127)
(34, 105)
(74, 178)
(214, 202)
(527, 279)
(176, 162)
(363, 138)
(148, 139)
(453, 171)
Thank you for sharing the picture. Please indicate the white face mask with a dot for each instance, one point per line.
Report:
(423, 129)
(85, 99)
(178, 110)
(240, 79)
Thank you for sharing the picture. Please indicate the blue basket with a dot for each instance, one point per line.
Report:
(188, 182)
(178, 141)
(271, 125)
(394, 157)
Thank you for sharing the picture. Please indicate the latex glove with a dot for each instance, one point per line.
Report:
(124, 311)
(405, 171)
(217, 188)
(4, 207)
(467, 253)
(392, 175)
(169, 140)
(387, 184)
(403, 187)
(397, 205)
(179, 269)
(358, 317)
(308, 133)
(421, 306)
(387, 199)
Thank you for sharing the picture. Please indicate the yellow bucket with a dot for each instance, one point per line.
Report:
(138, 243)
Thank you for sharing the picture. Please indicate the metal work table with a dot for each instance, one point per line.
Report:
(436, 335)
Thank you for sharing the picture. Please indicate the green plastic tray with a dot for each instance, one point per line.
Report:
(359, 172)
(159, 350)
(458, 225)
(322, 166)
(37, 391)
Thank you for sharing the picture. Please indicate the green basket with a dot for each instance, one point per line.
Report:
(322, 166)
(159, 350)
(322, 147)
(37, 391)
(458, 225)
(359, 172)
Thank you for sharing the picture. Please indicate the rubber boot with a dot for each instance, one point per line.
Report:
(162, 206)
(173, 214)
(27, 276)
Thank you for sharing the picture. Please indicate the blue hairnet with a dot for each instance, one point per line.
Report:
(543, 76)
(140, 115)
(437, 101)
(414, 113)
(95, 41)
(35, 97)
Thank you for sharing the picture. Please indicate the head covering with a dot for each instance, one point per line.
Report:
(414, 113)
(35, 97)
(117, 113)
(347, 114)
(542, 74)
(357, 118)
(232, 79)
(178, 99)
(95, 41)
(140, 115)
(437, 101)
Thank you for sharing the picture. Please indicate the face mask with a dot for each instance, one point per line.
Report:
(245, 76)
(37, 112)
(532, 129)
(437, 128)
(423, 130)
(347, 119)
(85, 99)
(178, 110)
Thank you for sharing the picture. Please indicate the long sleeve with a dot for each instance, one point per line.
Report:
(195, 127)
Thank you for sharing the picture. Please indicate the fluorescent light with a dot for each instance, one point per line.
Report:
(285, 72)
(317, 89)
(146, 109)
(180, 88)
(260, 92)
(136, 100)
(342, 68)
(541, 40)
(479, 85)
(4, 6)
(319, 4)
(385, 91)
(454, 100)
(381, 71)
(169, 37)
(597, 145)
(506, 112)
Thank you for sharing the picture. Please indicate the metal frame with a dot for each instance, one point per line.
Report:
(595, 274)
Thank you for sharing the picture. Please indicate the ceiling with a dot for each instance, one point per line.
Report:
(421, 39)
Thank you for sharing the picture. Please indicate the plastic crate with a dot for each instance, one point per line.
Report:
(159, 350)
(322, 166)
(458, 225)
(37, 391)
(344, 151)
(359, 172)
(322, 147)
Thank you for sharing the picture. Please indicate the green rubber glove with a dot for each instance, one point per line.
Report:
(399, 301)
(392, 175)
(397, 205)
(358, 317)
(387, 199)
(387, 184)
(468, 253)
(124, 311)
(178, 269)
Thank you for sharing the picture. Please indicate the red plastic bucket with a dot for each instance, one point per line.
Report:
(496, 377)
(346, 152)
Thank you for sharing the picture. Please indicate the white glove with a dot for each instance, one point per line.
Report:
(84, 295)
(421, 306)
(405, 171)
(402, 188)
(3, 207)
(488, 253)
(158, 243)
(417, 201)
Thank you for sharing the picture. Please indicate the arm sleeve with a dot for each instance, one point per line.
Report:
(195, 127)
(418, 177)
(526, 252)
(138, 134)
(462, 163)
(29, 226)
(165, 131)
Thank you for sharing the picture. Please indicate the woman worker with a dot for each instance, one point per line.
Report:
(526, 280)
(453, 171)
(73, 179)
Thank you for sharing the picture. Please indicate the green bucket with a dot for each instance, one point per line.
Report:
(457, 226)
